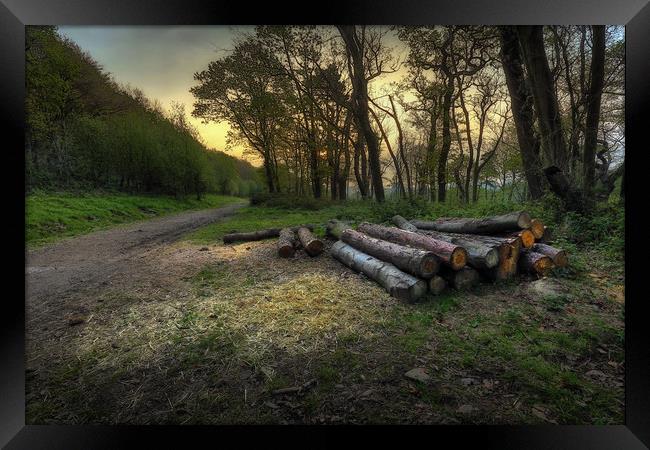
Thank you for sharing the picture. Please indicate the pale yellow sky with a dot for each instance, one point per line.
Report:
(162, 60)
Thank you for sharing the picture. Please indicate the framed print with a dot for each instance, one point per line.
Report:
(240, 218)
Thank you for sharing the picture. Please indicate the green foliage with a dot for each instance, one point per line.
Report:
(51, 216)
(84, 131)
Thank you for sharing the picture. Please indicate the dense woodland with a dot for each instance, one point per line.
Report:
(428, 112)
(437, 113)
(84, 131)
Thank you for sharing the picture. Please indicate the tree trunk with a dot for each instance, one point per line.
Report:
(561, 186)
(335, 228)
(446, 140)
(558, 256)
(312, 245)
(398, 284)
(543, 88)
(287, 243)
(417, 262)
(593, 110)
(360, 169)
(360, 104)
(437, 285)
(450, 254)
(463, 279)
(533, 262)
(495, 224)
(522, 110)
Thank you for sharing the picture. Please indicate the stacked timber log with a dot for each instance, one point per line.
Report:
(417, 257)
(522, 243)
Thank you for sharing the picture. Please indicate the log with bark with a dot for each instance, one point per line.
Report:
(537, 228)
(336, 227)
(312, 245)
(287, 242)
(258, 235)
(450, 254)
(508, 250)
(533, 262)
(437, 284)
(557, 255)
(496, 224)
(397, 283)
(421, 263)
(403, 224)
(479, 255)
(465, 278)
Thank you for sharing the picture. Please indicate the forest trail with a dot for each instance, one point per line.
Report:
(101, 257)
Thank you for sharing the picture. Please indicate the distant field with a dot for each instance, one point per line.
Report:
(53, 216)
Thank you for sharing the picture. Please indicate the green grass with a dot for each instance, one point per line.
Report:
(53, 216)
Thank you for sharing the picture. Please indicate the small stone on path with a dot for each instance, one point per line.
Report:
(418, 374)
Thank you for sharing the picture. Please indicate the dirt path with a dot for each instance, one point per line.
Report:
(97, 259)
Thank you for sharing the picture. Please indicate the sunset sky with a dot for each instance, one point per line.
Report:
(162, 60)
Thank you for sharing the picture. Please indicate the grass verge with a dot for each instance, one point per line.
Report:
(53, 216)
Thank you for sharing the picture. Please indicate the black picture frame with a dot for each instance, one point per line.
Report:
(15, 14)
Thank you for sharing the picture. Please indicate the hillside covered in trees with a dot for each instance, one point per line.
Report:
(84, 131)
(428, 112)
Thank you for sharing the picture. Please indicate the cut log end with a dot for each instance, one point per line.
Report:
(558, 255)
(312, 245)
(524, 221)
(491, 258)
(286, 251)
(527, 238)
(412, 294)
(537, 228)
(287, 243)
(437, 285)
(543, 265)
(561, 259)
(429, 266)
(458, 258)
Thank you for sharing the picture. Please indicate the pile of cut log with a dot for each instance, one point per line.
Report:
(290, 239)
(417, 256)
